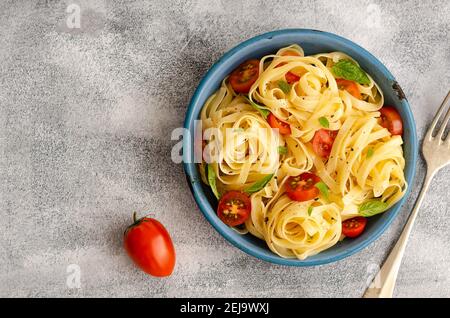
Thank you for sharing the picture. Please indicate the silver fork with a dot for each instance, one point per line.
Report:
(436, 152)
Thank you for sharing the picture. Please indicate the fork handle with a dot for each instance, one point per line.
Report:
(384, 282)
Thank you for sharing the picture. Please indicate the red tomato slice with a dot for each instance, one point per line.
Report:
(323, 142)
(349, 86)
(354, 227)
(291, 77)
(234, 208)
(279, 124)
(242, 78)
(302, 187)
(391, 120)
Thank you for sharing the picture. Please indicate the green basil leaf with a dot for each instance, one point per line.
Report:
(372, 207)
(263, 111)
(282, 150)
(322, 188)
(284, 86)
(370, 152)
(212, 181)
(324, 122)
(258, 185)
(350, 71)
(310, 209)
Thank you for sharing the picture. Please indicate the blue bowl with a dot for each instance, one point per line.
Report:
(312, 42)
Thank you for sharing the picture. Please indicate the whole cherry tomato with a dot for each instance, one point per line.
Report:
(149, 245)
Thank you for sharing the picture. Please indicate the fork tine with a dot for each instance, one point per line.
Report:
(444, 124)
(438, 115)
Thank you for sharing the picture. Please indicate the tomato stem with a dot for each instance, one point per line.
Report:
(135, 217)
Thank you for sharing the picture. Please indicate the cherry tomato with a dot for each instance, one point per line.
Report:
(349, 86)
(291, 77)
(391, 120)
(242, 78)
(302, 187)
(234, 208)
(354, 227)
(279, 124)
(323, 142)
(149, 245)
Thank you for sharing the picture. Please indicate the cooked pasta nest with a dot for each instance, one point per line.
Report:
(365, 163)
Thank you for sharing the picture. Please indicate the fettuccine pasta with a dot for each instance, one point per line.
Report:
(334, 158)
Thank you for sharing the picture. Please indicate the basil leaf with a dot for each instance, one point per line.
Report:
(258, 185)
(310, 209)
(282, 150)
(350, 71)
(370, 152)
(284, 86)
(212, 181)
(372, 207)
(324, 122)
(264, 112)
(322, 188)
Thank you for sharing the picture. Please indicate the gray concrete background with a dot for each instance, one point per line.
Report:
(85, 122)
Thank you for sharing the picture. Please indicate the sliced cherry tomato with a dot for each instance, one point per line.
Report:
(349, 86)
(279, 124)
(323, 142)
(234, 208)
(242, 78)
(354, 227)
(302, 187)
(149, 245)
(391, 120)
(291, 78)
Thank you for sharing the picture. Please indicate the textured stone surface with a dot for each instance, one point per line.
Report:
(85, 122)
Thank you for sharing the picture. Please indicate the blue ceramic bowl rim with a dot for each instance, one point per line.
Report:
(192, 174)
